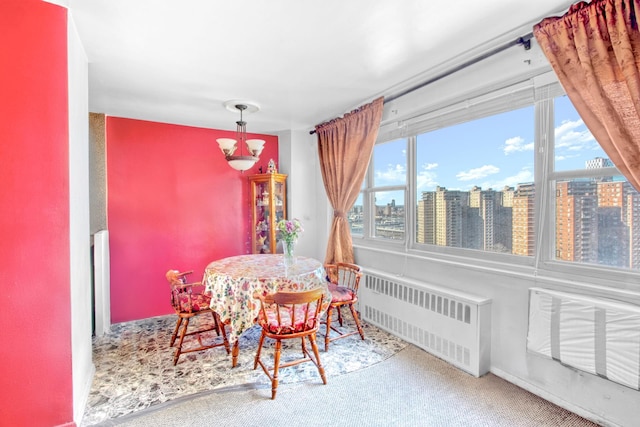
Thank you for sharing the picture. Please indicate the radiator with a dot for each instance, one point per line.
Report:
(102, 283)
(594, 335)
(449, 324)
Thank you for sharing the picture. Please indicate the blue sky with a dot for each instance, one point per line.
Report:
(491, 152)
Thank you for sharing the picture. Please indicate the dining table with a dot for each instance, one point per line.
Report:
(236, 283)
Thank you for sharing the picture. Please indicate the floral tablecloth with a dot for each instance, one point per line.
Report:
(234, 282)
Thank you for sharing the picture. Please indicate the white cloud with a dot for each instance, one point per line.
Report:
(524, 175)
(426, 177)
(572, 135)
(394, 174)
(515, 144)
(567, 126)
(429, 166)
(426, 181)
(478, 173)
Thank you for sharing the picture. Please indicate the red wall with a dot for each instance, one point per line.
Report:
(35, 319)
(173, 202)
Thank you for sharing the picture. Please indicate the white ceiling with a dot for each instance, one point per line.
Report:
(302, 61)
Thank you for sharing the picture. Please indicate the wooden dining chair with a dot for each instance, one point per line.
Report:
(290, 315)
(344, 279)
(188, 300)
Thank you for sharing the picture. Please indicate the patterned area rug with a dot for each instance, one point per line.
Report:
(134, 365)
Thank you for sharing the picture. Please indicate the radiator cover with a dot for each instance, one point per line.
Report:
(449, 324)
(594, 335)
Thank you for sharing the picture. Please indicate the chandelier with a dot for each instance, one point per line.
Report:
(254, 147)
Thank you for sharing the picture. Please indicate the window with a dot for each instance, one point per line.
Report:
(512, 176)
(379, 211)
(389, 214)
(596, 209)
(574, 146)
(389, 186)
(356, 217)
(474, 184)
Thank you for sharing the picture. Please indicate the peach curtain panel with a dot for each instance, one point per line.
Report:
(595, 51)
(345, 146)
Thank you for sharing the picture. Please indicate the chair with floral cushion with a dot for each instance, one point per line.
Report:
(290, 315)
(344, 279)
(188, 300)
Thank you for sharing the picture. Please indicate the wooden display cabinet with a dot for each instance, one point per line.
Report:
(269, 205)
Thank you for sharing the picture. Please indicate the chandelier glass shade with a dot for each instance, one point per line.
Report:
(229, 146)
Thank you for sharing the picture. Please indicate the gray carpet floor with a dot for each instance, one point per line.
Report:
(410, 388)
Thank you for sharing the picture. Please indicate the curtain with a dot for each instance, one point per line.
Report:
(595, 51)
(345, 146)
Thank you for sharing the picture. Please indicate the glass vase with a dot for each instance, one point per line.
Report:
(288, 247)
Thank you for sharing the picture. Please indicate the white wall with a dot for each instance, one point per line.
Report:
(299, 159)
(82, 363)
(588, 395)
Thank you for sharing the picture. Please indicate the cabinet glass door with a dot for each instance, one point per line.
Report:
(268, 195)
(262, 238)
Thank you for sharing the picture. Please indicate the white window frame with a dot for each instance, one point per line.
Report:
(538, 91)
(368, 202)
(547, 260)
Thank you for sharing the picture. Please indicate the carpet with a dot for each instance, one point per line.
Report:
(134, 369)
(411, 388)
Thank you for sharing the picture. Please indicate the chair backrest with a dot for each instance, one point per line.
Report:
(344, 274)
(293, 312)
(182, 293)
(174, 276)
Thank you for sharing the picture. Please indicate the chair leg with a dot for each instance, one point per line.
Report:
(175, 331)
(234, 353)
(276, 366)
(224, 332)
(257, 359)
(216, 325)
(338, 309)
(183, 332)
(327, 338)
(357, 320)
(316, 353)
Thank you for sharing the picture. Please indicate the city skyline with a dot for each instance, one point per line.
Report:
(596, 220)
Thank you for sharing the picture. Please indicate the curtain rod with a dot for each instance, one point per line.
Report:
(524, 40)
